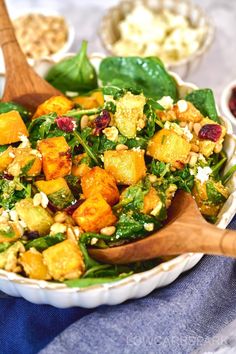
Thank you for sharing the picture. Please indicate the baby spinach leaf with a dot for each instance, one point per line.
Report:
(146, 74)
(42, 243)
(130, 226)
(204, 101)
(159, 168)
(183, 179)
(75, 74)
(85, 282)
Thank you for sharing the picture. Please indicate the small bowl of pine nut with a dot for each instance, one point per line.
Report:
(41, 34)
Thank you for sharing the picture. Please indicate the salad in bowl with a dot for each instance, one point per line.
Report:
(100, 166)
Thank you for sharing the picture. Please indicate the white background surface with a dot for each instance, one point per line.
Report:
(218, 67)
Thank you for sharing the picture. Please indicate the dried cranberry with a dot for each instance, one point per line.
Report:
(232, 102)
(52, 207)
(67, 124)
(210, 132)
(7, 176)
(101, 122)
(31, 235)
(70, 209)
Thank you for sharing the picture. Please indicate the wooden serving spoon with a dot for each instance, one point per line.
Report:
(186, 231)
(22, 84)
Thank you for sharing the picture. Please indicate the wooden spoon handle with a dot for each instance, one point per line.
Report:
(219, 242)
(8, 42)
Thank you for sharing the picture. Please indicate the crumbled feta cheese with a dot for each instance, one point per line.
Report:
(12, 155)
(22, 224)
(166, 102)
(182, 106)
(13, 215)
(157, 209)
(149, 226)
(25, 141)
(57, 228)
(94, 240)
(174, 126)
(74, 124)
(111, 133)
(136, 148)
(187, 133)
(36, 153)
(203, 173)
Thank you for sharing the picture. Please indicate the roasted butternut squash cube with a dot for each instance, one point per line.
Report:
(87, 102)
(36, 218)
(6, 157)
(57, 104)
(126, 166)
(80, 168)
(27, 162)
(10, 231)
(57, 191)
(64, 260)
(97, 180)
(32, 263)
(12, 127)
(167, 146)
(151, 200)
(186, 112)
(129, 114)
(94, 214)
(56, 157)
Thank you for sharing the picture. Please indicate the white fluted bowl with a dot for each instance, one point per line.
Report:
(136, 285)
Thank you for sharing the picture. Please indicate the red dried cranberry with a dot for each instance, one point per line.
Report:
(70, 209)
(7, 176)
(67, 124)
(210, 132)
(101, 122)
(232, 102)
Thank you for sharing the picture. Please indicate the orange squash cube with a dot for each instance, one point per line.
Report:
(94, 214)
(32, 263)
(126, 166)
(57, 104)
(6, 158)
(24, 157)
(56, 157)
(96, 99)
(64, 260)
(12, 127)
(167, 146)
(97, 180)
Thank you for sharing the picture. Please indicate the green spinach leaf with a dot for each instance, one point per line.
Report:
(42, 243)
(204, 101)
(75, 74)
(146, 74)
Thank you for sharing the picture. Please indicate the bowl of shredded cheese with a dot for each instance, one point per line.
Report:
(179, 33)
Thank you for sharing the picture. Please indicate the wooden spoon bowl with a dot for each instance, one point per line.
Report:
(22, 84)
(186, 231)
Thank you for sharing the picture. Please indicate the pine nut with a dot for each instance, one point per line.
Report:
(218, 147)
(121, 147)
(182, 124)
(109, 230)
(60, 217)
(196, 128)
(190, 126)
(84, 121)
